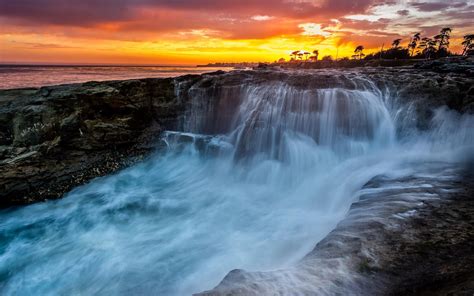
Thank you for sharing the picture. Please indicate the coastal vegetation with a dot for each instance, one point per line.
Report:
(418, 47)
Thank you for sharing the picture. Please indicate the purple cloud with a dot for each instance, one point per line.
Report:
(431, 6)
(86, 12)
(403, 12)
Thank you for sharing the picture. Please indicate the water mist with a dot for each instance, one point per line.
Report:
(251, 182)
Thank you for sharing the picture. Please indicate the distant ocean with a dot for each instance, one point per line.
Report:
(35, 76)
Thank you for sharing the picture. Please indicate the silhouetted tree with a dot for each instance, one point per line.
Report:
(316, 54)
(306, 55)
(413, 43)
(359, 52)
(294, 54)
(396, 43)
(300, 55)
(396, 52)
(468, 44)
(443, 38)
(427, 46)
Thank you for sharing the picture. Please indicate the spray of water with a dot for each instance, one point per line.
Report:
(253, 182)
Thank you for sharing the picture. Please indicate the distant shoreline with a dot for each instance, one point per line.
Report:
(98, 65)
(231, 65)
(24, 76)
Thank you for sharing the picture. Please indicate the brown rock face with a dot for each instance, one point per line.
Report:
(55, 138)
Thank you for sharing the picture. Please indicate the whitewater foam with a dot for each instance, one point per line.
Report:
(254, 192)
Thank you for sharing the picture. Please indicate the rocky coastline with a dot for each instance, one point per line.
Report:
(418, 241)
(55, 138)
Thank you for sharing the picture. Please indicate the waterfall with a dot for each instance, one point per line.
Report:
(263, 118)
(255, 175)
(347, 122)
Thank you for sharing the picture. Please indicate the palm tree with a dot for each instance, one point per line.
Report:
(300, 55)
(396, 43)
(413, 43)
(468, 43)
(416, 37)
(306, 55)
(443, 38)
(358, 51)
(315, 53)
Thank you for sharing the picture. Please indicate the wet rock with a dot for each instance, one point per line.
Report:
(460, 65)
(55, 138)
(418, 92)
(412, 241)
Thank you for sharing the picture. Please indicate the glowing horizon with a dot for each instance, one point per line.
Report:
(161, 32)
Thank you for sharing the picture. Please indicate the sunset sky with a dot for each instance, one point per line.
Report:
(201, 31)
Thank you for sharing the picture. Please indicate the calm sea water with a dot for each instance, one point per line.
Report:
(36, 76)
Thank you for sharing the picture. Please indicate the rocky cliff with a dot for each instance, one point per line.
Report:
(55, 138)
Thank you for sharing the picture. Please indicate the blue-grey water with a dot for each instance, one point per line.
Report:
(257, 196)
(19, 76)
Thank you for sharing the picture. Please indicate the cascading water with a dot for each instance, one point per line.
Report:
(253, 182)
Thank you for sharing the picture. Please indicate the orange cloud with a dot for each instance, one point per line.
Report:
(199, 31)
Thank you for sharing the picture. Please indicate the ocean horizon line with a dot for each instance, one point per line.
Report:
(92, 65)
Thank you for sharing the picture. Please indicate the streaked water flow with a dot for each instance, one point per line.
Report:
(253, 182)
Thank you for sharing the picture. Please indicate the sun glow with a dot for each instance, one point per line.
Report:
(228, 32)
